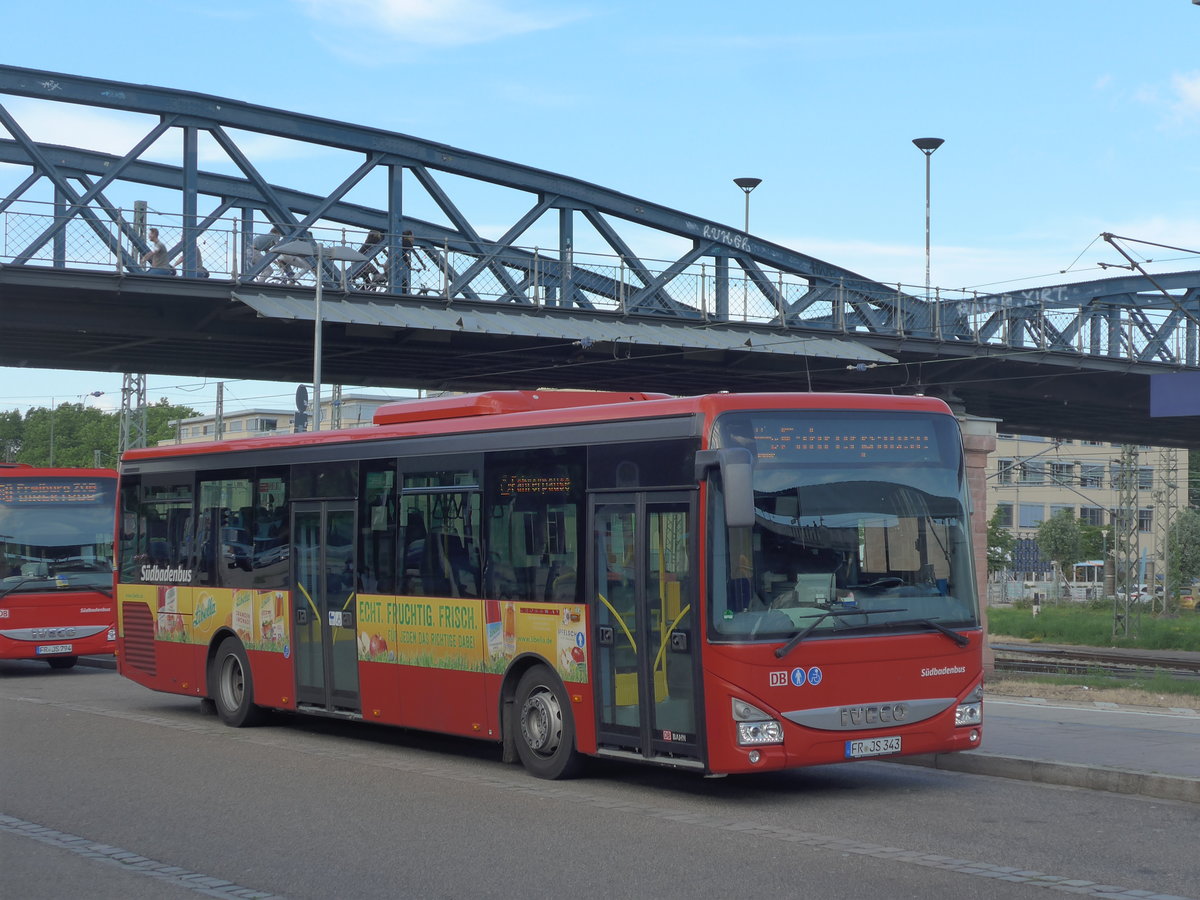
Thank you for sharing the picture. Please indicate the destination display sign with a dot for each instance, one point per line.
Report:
(45, 491)
(843, 439)
(518, 484)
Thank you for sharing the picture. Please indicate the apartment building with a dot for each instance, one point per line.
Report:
(1032, 477)
(348, 411)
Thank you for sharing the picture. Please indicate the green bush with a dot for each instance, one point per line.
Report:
(1156, 682)
(1093, 627)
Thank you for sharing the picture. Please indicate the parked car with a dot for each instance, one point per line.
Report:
(1141, 593)
(236, 548)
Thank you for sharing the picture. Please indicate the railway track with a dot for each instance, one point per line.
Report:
(1034, 659)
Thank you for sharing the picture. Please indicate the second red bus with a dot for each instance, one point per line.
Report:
(56, 550)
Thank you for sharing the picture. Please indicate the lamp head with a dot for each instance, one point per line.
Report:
(315, 248)
(298, 248)
(747, 184)
(928, 145)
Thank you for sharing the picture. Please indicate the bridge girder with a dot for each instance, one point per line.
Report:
(72, 210)
(221, 116)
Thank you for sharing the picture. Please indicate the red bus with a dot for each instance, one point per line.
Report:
(56, 548)
(725, 583)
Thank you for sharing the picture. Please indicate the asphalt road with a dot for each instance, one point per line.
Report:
(112, 791)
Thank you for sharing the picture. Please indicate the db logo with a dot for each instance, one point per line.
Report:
(779, 679)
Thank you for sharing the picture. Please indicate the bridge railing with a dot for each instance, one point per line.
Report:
(451, 270)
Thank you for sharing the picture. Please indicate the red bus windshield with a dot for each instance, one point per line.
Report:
(56, 532)
(852, 512)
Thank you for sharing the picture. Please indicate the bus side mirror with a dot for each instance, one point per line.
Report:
(737, 476)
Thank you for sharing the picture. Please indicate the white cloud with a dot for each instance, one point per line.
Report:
(1180, 99)
(1140, 236)
(116, 132)
(440, 23)
(1187, 95)
(67, 124)
(1032, 261)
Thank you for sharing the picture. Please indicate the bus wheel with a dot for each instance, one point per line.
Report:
(231, 685)
(546, 742)
(63, 662)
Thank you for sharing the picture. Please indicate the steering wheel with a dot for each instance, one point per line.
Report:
(782, 599)
(888, 581)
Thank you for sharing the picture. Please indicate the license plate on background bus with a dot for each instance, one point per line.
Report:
(872, 747)
(47, 649)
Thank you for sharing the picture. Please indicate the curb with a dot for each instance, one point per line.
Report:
(98, 662)
(1095, 778)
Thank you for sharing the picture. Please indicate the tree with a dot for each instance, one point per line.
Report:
(11, 428)
(1060, 540)
(1183, 548)
(69, 435)
(76, 435)
(1000, 543)
(1193, 493)
(1094, 540)
(159, 417)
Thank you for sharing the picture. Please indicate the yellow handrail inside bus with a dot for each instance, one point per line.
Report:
(620, 621)
(300, 588)
(662, 649)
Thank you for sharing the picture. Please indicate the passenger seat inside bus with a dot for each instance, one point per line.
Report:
(449, 568)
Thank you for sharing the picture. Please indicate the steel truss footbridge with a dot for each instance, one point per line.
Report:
(582, 286)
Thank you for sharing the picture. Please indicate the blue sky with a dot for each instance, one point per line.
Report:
(1062, 119)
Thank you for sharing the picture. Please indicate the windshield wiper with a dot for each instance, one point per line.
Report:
(848, 611)
(57, 585)
(961, 639)
(8, 589)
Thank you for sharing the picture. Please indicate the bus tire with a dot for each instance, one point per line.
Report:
(545, 729)
(231, 686)
(62, 662)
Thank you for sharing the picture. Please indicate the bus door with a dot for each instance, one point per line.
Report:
(644, 626)
(324, 605)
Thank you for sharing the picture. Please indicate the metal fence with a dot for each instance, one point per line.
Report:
(110, 239)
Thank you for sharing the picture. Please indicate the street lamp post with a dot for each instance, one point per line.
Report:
(336, 251)
(927, 145)
(747, 185)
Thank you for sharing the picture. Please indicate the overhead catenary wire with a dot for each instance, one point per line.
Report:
(1174, 301)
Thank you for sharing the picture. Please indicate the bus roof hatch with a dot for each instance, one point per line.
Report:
(492, 403)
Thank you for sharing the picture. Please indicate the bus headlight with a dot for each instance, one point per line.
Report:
(970, 711)
(755, 727)
(968, 714)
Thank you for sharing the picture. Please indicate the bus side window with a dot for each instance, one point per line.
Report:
(129, 530)
(534, 513)
(268, 526)
(226, 555)
(440, 544)
(412, 551)
(377, 528)
(156, 531)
